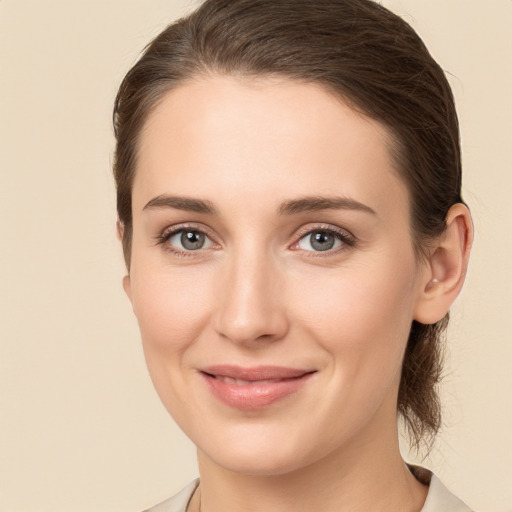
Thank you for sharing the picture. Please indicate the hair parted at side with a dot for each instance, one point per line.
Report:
(355, 49)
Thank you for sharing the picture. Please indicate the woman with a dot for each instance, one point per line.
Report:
(288, 178)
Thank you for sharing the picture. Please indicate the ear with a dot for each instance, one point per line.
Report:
(127, 286)
(120, 230)
(126, 279)
(446, 267)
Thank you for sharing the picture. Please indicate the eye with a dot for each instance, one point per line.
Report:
(187, 240)
(321, 240)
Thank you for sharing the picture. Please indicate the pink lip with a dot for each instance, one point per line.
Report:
(253, 388)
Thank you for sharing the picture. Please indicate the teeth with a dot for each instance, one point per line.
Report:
(240, 382)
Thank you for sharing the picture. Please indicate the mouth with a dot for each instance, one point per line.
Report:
(253, 388)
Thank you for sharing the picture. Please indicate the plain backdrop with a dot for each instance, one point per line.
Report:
(81, 428)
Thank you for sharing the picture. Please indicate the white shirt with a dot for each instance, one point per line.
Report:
(439, 499)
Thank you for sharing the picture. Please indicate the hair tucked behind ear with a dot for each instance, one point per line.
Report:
(418, 400)
(355, 49)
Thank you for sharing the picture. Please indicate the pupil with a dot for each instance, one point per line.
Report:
(192, 240)
(322, 241)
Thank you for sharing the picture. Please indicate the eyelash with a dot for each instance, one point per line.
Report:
(167, 234)
(347, 239)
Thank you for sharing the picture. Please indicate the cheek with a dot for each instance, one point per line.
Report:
(362, 314)
(172, 310)
(361, 319)
(171, 307)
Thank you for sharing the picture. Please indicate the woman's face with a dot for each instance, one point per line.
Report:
(272, 274)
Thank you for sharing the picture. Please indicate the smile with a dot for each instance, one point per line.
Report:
(253, 388)
(240, 382)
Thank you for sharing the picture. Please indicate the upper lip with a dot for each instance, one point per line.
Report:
(255, 373)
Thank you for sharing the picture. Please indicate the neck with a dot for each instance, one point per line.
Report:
(367, 475)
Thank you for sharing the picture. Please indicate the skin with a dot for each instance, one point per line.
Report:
(257, 293)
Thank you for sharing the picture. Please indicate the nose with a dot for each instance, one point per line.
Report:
(250, 305)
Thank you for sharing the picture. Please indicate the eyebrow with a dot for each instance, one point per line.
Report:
(291, 207)
(316, 203)
(182, 203)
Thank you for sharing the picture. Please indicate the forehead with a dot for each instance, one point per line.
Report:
(227, 137)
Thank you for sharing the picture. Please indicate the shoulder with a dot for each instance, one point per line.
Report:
(439, 498)
(177, 503)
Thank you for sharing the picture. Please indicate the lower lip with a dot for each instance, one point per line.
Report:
(254, 396)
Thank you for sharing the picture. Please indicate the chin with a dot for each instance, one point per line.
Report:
(261, 456)
(257, 463)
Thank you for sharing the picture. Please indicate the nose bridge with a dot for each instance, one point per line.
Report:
(250, 305)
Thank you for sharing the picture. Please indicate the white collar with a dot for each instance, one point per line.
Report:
(439, 498)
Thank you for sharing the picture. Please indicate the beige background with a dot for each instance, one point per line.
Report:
(81, 428)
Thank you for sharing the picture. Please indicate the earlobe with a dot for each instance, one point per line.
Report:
(446, 267)
(126, 279)
(127, 286)
(120, 230)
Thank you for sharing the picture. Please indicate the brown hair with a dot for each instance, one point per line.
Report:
(355, 49)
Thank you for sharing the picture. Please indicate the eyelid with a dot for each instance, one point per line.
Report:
(170, 231)
(348, 239)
